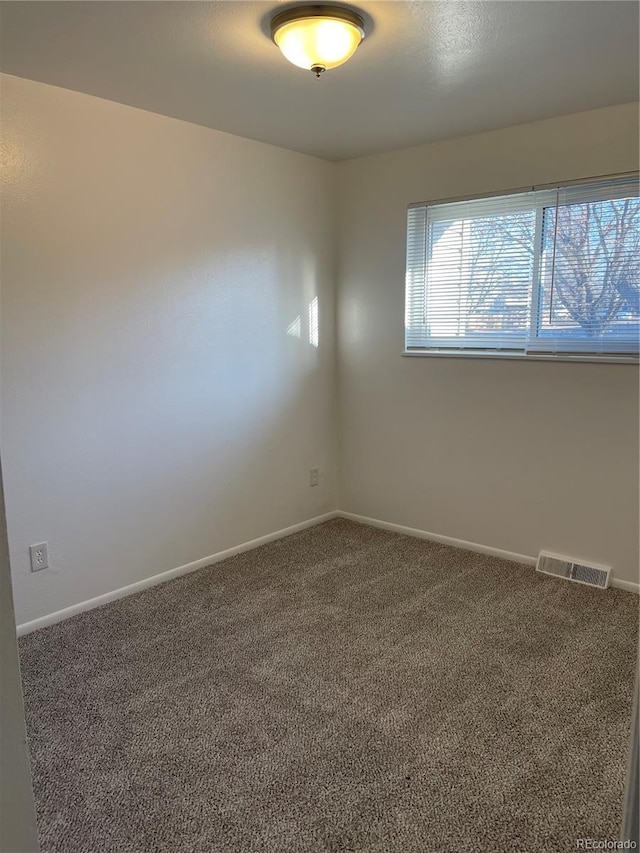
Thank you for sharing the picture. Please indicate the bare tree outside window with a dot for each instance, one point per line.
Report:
(593, 275)
(550, 271)
(500, 253)
(590, 275)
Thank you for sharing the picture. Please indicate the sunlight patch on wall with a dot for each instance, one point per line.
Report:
(295, 329)
(313, 322)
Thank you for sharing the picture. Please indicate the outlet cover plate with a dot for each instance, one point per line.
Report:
(39, 557)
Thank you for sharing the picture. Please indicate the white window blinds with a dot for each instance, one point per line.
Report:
(545, 271)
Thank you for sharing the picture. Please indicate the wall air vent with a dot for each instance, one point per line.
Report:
(572, 570)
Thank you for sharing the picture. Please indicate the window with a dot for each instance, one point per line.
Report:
(552, 271)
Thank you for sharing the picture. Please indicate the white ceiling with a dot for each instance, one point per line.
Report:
(426, 71)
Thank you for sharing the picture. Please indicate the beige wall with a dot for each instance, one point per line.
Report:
(511, 455)
(155, 410)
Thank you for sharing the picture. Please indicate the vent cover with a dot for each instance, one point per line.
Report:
(566, 567)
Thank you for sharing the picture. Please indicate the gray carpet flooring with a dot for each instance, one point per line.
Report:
(344, 689)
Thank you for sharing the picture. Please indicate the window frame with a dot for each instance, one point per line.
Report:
(533, 348)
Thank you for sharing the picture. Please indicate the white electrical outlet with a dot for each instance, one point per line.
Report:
(39, 557)
(314, 476)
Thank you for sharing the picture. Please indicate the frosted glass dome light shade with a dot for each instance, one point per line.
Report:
(317, 37)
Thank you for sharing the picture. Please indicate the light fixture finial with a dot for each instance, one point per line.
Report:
(317, 37)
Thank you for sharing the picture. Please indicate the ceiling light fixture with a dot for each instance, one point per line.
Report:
(317, 37)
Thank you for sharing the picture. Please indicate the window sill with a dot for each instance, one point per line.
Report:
(517, 356)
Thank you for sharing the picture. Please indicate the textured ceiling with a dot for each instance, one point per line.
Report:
(426, 71)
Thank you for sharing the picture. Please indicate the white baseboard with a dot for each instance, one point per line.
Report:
(81, 607)
(98, 601)
(525, 559)
(629, 586)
